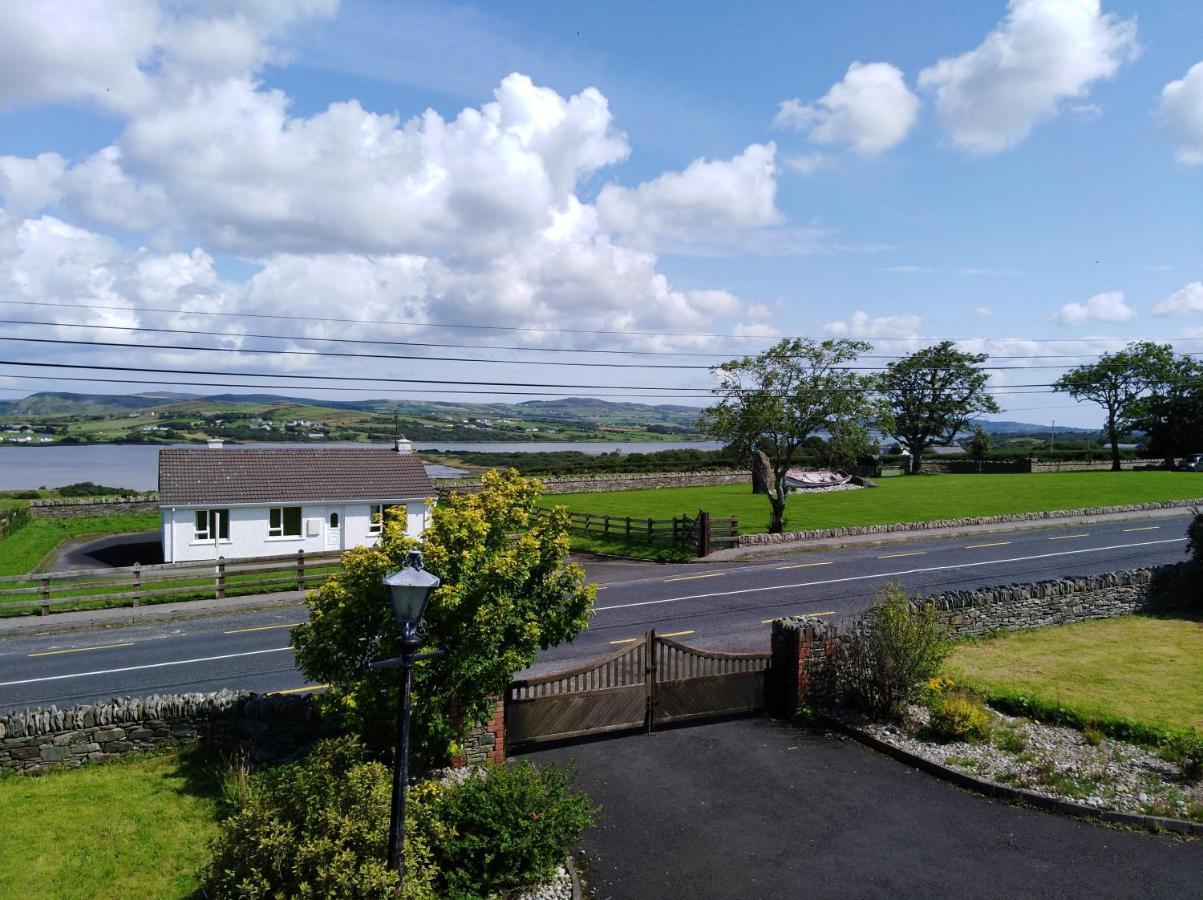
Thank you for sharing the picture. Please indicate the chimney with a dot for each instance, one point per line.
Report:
(214, 443)
(402, 445)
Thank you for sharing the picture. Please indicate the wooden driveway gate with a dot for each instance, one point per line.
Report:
(653, 681)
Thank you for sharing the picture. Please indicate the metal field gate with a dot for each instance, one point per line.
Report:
(655, 680)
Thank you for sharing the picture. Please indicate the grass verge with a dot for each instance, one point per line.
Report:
(137, 827)
(25, 549)
(911, 499)
(1134, 677)
(619, 547)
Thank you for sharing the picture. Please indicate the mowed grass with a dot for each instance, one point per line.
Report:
(23, 550)
(137, 827)
(910, 499)
(1140, 669)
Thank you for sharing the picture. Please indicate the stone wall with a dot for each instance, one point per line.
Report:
(589, 484)
(804, 650)
(1097, 465)
(101, 506)
(750, 540)
(264, 726)
(486, 743)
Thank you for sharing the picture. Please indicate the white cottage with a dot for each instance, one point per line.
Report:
(241, 502)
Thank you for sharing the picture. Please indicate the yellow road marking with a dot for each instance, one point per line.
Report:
(829, 612)
(693, 577)
(1066, 537)
(677, 633)
(626, 641)
(301, 690)
(1145, 528)
(263, 628)
(82, 649)
(897, 555)
(992, 544)
(803, 566)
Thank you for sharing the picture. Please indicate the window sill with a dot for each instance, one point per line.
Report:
(208, 542)
(285, 538)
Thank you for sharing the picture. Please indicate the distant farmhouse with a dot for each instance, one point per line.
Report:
(246, 502)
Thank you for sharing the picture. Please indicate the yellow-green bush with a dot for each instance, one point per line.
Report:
(959, 717)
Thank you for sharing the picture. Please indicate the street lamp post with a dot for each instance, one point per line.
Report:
(409, 591)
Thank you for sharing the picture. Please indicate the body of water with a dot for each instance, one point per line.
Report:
(137, 465)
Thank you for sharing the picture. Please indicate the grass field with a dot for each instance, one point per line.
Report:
(911, 499)
(1139, 669)
(23, 550)
(133, 828)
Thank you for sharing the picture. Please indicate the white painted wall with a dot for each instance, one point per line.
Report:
(249, 526)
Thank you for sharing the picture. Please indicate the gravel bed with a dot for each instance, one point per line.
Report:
(829, 489)
(558, 888)
(1057, 762)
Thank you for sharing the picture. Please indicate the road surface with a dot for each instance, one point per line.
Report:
(722, 606)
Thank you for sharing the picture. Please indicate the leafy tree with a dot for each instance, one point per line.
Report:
(932, 394)
(1172, 415)
(1119, 382)
(774, 401)
(506, 593)
(1194, 537)
(979, 445)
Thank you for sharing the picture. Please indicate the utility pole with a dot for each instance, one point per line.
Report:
(1051, 431)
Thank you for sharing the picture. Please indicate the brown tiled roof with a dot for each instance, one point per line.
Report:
(288, 475)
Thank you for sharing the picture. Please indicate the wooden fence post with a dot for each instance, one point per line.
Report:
(650, 672)
(628, 529)
(703, 522)
(137, 584)
(45, 595)
(301, 569)
(606, 526)
(220, 586)
(649, 531)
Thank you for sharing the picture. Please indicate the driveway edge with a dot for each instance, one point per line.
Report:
(1015, 795)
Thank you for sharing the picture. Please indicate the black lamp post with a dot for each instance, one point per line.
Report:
(409, 591)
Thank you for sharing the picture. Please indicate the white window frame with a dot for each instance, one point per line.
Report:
(376, 518)
(204, 534)
(277, 531)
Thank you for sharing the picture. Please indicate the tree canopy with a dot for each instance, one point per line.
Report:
(1172, 415)
(774, 401)
(1120, 382)
(932, 394)
(506, 593)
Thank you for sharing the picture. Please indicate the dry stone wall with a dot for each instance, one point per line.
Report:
(264, 726)
(100, 506)
(590, 484)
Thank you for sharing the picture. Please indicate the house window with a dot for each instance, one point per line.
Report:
(284, 521)
(211, 523)
(376, 517)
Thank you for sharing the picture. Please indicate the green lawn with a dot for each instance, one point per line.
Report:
(23, 550)
(133, 828)
(1141, 669)
(911, 499)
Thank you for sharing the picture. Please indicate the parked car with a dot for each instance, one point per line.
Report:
(1192, 463)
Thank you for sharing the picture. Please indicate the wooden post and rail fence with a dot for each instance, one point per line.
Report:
(47, 592)
(702, 533)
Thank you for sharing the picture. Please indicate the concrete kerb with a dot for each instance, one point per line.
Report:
(756, 551)
(1015, 795)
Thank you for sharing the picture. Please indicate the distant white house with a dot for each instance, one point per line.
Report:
(245, 502)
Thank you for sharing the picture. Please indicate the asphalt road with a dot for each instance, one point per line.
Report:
(727, 606)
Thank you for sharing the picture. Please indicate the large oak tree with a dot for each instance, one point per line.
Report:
(932, 394)
(774, 401)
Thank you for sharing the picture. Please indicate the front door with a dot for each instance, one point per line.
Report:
(334, 529)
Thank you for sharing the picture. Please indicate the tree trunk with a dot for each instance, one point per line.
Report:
(762, 473)
(916, 462)
(1113, 436)
(777, 501)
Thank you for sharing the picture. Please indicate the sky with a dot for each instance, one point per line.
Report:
(535, 186)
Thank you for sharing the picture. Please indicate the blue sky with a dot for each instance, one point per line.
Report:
(979, 171)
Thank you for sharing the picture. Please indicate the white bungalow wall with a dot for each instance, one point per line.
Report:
(249, 526)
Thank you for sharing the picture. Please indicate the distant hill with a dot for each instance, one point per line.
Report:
(1027, 428)
(50, 403)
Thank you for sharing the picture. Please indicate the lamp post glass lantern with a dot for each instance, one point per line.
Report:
(409, 591)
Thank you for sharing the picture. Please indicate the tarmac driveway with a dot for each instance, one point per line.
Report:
(114, 550)
(756, 808)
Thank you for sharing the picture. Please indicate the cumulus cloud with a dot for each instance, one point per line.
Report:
(1182, 110)
(861, 325)
(1185, 301)
(1106, 307)
(982, 312)
(871, 109)
(1043, 53)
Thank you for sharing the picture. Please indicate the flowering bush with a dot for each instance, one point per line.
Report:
(959, 717)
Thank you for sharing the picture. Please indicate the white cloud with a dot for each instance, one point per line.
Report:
(1182, 109)
(1043, 53)
(28, 185)
(871, 109)
(708, 198)
(807, 164)
(861, 325)
(982, 312)
(1105, 307)
(1185, 301)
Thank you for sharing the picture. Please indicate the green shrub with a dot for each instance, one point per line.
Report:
(1093, 734)
(314, 829)
(1010, 740)
(893, 653)
(1187, 750)
(959, 717)
(1194, 536)
(508, 828)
